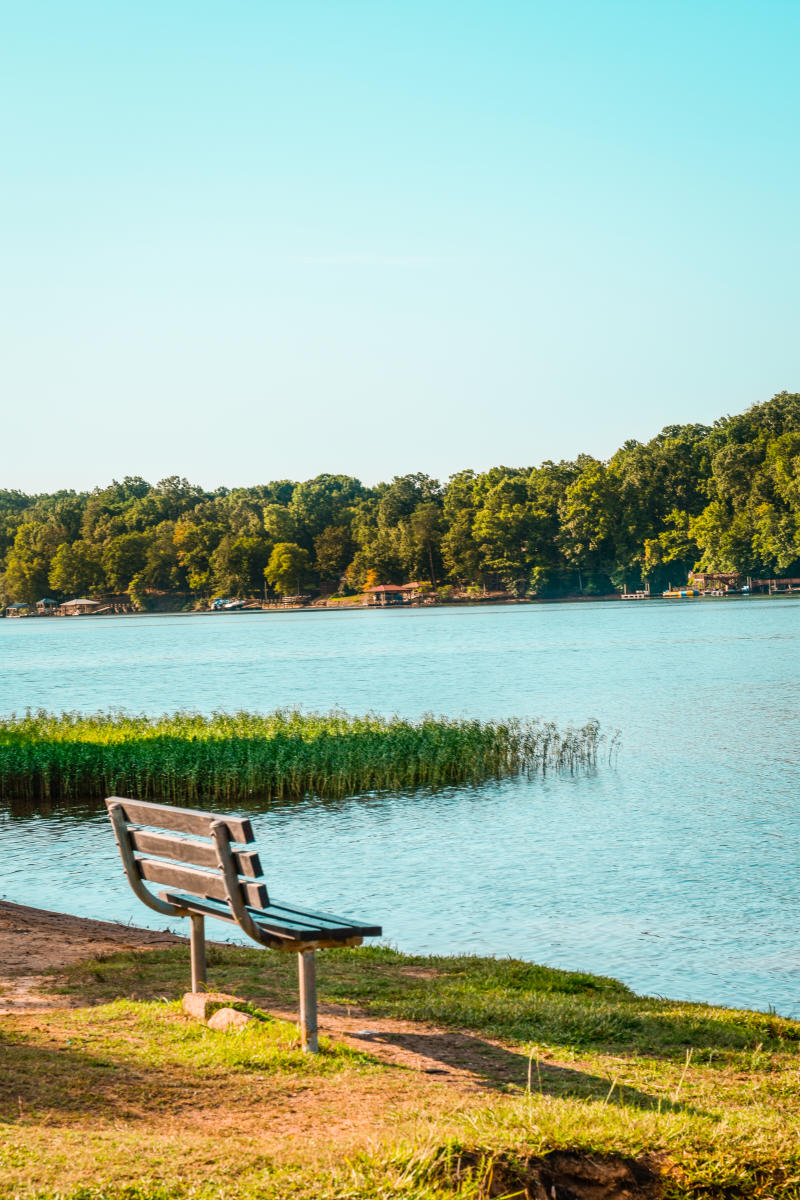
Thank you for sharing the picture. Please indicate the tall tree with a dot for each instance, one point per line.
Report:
(76, 569)
(287, 567)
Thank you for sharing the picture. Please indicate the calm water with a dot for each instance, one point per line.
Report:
(675, 870)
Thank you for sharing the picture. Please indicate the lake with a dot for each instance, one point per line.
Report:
(673, 868)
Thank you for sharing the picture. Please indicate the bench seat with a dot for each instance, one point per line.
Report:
(280, 923)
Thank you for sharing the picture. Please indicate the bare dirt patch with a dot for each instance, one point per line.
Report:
(563, 1176)
(34, 942)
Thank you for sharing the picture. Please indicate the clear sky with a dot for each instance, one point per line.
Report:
(270, 238)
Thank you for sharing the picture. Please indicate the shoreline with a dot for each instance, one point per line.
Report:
(462, 1070)
(364, 608)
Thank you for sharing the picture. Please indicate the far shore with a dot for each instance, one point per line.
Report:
(165, 610)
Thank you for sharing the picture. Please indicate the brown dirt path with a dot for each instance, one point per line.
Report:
(33, 942)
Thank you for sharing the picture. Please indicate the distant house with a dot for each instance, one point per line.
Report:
(386, 594)
(18, 610)
(413, 591)
(46, 607)
(713, 581)
(76, 608)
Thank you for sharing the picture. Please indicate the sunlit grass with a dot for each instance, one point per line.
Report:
(236, 758)
(130, 1101)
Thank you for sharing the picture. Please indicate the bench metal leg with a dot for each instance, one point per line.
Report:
(198, 951)
(307, 972)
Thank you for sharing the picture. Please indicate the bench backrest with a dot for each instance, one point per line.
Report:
(187, 849)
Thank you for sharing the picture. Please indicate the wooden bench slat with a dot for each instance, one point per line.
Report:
(182, 820)
(200, 854)
(319, 916)
(281, 916)
(282, 923)
(201, 883)
(299, 930)
(201, 904)
(274, 941)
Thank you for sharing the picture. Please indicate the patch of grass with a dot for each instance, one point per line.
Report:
(566, 1068)
(355, 600)
(154, 1034)
(502, 998)
(241, 758)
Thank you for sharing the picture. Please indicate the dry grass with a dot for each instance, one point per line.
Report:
(135, 1093)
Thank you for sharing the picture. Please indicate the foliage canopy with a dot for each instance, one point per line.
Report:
(719, 498)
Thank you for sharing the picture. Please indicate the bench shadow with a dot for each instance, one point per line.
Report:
(500, 1069)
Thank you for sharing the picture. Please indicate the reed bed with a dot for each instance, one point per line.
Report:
(240, 758)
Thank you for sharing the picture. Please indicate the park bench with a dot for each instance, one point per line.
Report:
(208, 870)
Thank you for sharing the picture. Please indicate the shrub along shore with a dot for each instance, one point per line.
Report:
(241, 758)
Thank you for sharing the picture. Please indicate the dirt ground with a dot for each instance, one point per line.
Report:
(33, 942)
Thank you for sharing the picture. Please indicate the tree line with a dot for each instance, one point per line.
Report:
(724, 497)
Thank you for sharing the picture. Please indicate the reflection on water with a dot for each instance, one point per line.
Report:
(672, 870)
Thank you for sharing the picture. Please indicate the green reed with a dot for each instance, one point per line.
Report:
(236, 758)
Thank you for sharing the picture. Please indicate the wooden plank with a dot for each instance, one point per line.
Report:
(284, 918)
(200, 854)
(200, 904)
(297, 925)
(182, 820)
(212, 908)
(273, 941)
(283, 926)
(202, 883)
(323, 916)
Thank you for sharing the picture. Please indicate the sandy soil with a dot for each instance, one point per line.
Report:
(33, 942)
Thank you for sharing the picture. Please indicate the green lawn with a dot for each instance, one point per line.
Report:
(124, 1097)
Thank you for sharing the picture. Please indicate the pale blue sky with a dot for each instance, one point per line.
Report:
(266, 239)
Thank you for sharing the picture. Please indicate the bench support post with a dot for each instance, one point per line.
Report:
(198, 951)
(307, 972)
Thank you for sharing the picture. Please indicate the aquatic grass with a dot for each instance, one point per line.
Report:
(242, 757)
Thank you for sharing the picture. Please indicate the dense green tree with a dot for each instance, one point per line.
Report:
(162, 570)
(287, 566)
(196, 537)
(461, 554)
(279, 523)
(333, 551)
(106, 514)
(238, 565)
(27, 570)
(589, 526)
(550, 574)
(501, 531)
(76, 569)
(323, 502)
(123, 557)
